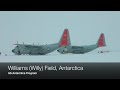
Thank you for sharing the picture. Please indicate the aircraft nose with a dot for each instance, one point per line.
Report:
(12, 50)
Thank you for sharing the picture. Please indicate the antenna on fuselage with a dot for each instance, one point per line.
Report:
(23, 42)
(33, 43)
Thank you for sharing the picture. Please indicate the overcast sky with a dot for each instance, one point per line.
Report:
(46, 27)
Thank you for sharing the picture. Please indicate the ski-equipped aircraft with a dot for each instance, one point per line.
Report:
(83, 49)
(42, 49)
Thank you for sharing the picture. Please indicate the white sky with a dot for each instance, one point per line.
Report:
(46, 27)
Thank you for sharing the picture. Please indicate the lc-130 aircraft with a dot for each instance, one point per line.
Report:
(42, 49)
(83, 49)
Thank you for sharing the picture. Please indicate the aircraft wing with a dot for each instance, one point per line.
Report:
(30, 46)
(77, 47)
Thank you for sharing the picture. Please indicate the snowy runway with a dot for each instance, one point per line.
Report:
(56, 57)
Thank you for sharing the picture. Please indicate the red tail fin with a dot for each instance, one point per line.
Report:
(101, 41)
(65, 39)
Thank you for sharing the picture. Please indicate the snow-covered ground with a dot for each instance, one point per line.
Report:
(46, 27)
(56, 57)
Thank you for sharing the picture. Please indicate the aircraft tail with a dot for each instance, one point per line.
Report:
(65, 39)
(101, 41)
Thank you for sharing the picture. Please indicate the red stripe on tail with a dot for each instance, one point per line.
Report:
(64, 41)
(101, 40)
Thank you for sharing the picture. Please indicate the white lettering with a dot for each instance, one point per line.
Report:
(50, 67)
(70, 68)
(17, 68)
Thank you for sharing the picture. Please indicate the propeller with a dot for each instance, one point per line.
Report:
(18, 48)
(19, 53)
(16, 43)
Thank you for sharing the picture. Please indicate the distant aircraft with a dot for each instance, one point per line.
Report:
(103, 51)
(42, 49)
(83, 49)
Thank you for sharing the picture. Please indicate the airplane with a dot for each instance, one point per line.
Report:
(83, 49)
(42, 49)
